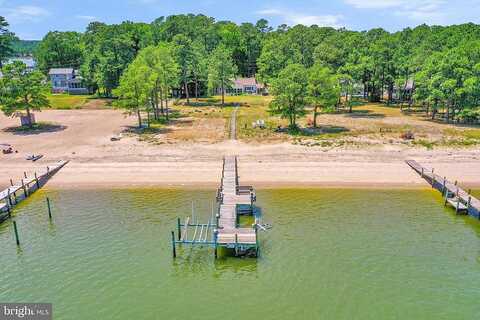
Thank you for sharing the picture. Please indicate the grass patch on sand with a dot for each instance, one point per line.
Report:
(66, 101)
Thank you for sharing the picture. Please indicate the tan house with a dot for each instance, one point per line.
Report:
(246, 86)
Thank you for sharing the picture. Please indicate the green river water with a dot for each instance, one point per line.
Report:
(331, 254)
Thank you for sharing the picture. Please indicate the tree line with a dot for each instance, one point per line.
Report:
(442, 64)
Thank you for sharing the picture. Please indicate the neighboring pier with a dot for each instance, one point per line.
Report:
(21, 190)
(459, 199)
(223, 229)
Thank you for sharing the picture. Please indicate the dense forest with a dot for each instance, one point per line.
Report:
(432, 66)
(24, 48)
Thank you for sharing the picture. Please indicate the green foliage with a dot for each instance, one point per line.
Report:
(323, 89)
(21, 90)
(148, 81)
(290, 91)
(22, 48)
(59, 50)
(6, 41)
(221, 70)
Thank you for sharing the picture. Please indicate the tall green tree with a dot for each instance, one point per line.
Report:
(290, 93)
(59, 50)
(6, 41)
(323, 89)
(134, 89)
(221, 70)
(22, 91)
(185, 57)
(163, 73)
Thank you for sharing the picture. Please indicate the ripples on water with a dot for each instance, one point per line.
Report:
(332, 254)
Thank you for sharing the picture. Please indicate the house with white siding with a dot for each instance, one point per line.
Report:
(67, 80)
(246, 86)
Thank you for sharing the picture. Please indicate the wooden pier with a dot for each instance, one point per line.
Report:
(459, 199)
(223, 229)
(27, 185)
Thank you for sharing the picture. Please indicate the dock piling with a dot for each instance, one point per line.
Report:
(179, 229)
(49, 209)
(215, 237)
(174, 251)
(24, 189)
(17, 239)
(36, 181)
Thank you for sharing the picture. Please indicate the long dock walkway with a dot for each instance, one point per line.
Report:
(224, 229)
(17, 192)
(458, 198)
(233, 197)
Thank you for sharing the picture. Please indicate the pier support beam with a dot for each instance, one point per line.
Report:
(179, 229)
(49, 209)
(215, 238)
(17, 239)
(174, 251)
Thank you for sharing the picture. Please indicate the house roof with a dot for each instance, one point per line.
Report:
(54, 71)
(241, 82)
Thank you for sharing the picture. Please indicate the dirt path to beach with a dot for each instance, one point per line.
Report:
(84, 138)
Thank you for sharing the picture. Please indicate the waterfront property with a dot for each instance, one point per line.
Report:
(459, 199)
(67, 80)
(248, 86)
(17, 192)
(224, 230)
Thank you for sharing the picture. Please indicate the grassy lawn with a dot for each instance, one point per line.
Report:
(66, 101)
(369, 124)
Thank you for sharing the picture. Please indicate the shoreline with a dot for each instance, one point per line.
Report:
(265, 174)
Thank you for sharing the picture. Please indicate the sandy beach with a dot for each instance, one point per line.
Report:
(95, 161)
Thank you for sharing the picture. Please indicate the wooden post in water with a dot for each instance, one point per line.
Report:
(256, 239)
(16, 232)
(49, 209)
(444, 184)
(422, 172)
(236, 244)
(179, 229)
(469, 201)
(446, 199)
(24, 189)
(25, 174)
(10, 204)
(11, 182)
(215, 239)
(174, 251)
(36, 181)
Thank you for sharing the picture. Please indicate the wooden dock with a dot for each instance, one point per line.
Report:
(223, 229)
(459, 199)
(22, 189)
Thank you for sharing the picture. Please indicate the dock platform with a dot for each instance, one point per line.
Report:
(224, 229)
(461, 200)
(21, 190)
